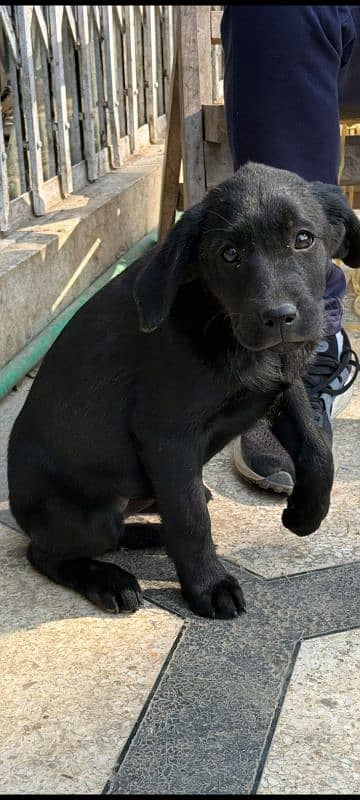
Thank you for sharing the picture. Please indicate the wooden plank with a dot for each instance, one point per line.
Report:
(63, 126)
(159, 30)
(351, 169)
(96, 13)
(86, 93)
(10, 33)
(168, 50)
(139, 61)
(217, 72)
(98, 80)
(120, 73)
(172, 157)
(151, 85)
(204, 52)
(176, 12)
(4, 185)
(17, 123)
(29, 101)
(70, 57)
(72, 24)
(214, 123)
(218, 163)
(215, 21)
(119, 13)
(113, 118)
(42, 25)
(191, 89)
(131, 87)
(46, 121)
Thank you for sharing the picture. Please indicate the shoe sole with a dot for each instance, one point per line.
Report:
(281, 481)
(341, 401)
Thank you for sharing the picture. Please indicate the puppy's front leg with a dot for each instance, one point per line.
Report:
(314, 468)
(175, 474)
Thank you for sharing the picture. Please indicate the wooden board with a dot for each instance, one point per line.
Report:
(172, 157)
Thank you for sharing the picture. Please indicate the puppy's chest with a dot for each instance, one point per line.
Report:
(240, 402)
(239, 398)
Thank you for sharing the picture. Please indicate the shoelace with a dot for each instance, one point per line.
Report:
(326, 368)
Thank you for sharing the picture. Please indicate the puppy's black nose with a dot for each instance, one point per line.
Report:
(281, 315)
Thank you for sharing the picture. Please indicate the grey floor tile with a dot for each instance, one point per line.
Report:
(207, 728)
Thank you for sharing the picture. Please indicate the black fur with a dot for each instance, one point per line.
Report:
(160, 369)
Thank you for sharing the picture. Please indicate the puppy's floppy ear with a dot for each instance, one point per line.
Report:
(157, 283)
(344, 223)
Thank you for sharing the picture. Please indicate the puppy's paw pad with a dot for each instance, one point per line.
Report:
(224, 601)
(115, 590)
(228, 599)
(300, 523)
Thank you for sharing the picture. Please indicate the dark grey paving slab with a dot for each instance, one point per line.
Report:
(209, 725)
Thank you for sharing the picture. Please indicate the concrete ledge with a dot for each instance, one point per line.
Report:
(47, 264)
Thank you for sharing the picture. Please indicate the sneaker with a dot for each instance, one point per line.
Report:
(258, 455)
(261, 459)
(329, 381)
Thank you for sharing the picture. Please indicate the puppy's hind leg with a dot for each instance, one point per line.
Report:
(66, 558)
(106, 585)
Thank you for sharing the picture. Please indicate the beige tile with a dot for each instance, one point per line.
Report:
(73, 680)
(316, 746)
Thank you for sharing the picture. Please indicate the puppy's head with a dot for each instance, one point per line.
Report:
(261, 243)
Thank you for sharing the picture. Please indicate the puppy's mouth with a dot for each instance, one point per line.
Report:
(285, 347)
(274, 345)
(282, 340)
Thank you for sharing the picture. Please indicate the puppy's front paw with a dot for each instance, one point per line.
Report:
(224, 600)
(302, 518)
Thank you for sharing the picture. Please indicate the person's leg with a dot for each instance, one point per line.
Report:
(282, 67)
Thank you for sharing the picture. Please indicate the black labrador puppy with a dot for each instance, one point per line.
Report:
(163, 367)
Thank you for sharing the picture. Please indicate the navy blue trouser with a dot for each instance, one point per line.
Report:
(287, 69)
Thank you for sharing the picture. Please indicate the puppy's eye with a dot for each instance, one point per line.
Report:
(303, 240)
(230, 254)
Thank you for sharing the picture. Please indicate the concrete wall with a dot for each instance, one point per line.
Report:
(46, 264)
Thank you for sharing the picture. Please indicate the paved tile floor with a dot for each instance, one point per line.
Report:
(162, 702)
